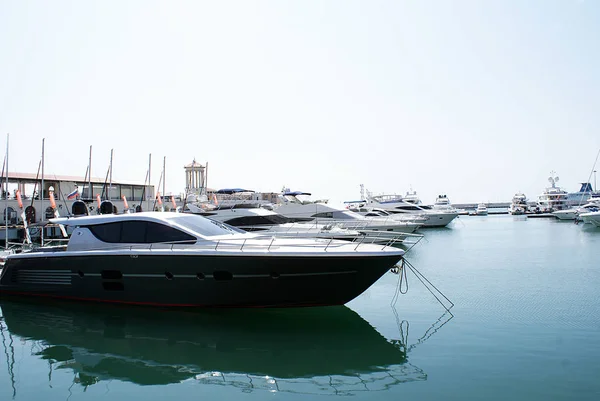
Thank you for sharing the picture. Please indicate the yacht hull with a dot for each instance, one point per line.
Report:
(439, 220)
(196, 280)
(592, 218)
(566, 214)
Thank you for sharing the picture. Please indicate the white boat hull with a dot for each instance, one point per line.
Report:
(592, 218)
(569, 214)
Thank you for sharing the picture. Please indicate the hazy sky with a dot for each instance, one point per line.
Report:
(474, 99)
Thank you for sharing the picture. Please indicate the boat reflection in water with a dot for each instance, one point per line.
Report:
(330, 350)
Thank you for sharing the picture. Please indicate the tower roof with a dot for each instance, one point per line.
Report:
(194, 164)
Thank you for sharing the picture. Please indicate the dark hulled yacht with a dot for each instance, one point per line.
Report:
(185, 260)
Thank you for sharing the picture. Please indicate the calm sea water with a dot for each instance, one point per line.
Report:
(525, 326)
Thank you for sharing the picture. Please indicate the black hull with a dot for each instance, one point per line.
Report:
(196, 281)
(154, 347)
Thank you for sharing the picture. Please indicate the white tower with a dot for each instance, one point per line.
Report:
(194, 178)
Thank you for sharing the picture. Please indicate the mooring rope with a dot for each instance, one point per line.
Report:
(401, 272)
(402, 278)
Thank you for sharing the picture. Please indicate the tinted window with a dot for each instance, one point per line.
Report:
(203, 226)
(133, 232)
(110, 232)
(162, 233)
(326, 215)
(138, 232)
(257, 220)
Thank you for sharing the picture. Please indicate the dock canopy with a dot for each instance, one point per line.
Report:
(296, 193)
(232, 190)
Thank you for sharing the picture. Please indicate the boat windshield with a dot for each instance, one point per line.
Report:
(347, 215)
(204, 226)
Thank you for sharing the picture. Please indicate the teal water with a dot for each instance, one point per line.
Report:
(525, 326)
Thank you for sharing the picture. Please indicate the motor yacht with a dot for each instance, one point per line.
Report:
(481, 210)
(592, 205)
(412, 197)
(302, 210)
(442, 203)
(266, 222)
(518, 204)
(186, 260)
(591, 218)
(553, 198)
(397, 205)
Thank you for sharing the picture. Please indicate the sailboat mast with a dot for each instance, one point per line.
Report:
(6, 199)
(42, 196)
(110, 179)
(90, 195)
(205, 180)
(163, 174)
(149, 181)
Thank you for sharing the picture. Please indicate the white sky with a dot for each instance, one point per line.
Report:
(474, 99)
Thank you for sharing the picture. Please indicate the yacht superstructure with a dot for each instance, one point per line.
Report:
(518, 204)
(553, 198)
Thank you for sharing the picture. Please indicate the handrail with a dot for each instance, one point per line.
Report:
(259, 243)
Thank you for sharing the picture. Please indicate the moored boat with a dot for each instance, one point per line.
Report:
(177, 259)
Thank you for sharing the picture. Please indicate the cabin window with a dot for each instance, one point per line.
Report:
(408, 208)
(133, 232)
(257, 220)
(110, 232)
(127, 192)
(139, 193)
(324, 215)
(162, 233)
(139, 232)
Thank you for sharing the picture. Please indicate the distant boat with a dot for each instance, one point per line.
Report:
(518, 204)
(481, 210)
(553, 198)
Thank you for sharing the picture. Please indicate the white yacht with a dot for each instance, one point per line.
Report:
(412, 197)
(591, 217)
(298, 209)
(519, 204)
(592, 205)
(268, 223)
(481, 210)
(397, 205)
(553, 198)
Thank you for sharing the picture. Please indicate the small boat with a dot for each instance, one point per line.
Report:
(481, 210)
(186, 260)
(518, 205)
